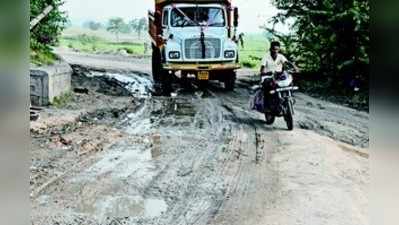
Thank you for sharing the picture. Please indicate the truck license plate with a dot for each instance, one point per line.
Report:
(203, 75)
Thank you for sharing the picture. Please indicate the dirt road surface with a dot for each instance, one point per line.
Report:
(200, 158)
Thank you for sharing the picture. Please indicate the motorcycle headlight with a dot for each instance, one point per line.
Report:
(229, 54)
(174, 55)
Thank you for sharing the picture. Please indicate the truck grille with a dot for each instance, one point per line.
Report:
(193, 49)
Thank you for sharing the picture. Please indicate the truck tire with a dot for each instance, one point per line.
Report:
(156, 65)
(202, 84)
(162, 79)
(166, 82)
(230, 80)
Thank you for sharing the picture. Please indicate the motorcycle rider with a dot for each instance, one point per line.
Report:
(273, 62)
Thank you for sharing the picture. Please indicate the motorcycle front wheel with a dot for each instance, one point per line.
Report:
(269, 118)
(288, 117)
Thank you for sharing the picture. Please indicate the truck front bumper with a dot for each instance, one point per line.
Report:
(200, 67)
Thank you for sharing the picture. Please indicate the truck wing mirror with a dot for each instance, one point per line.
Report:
(235, 22)
(151, 16)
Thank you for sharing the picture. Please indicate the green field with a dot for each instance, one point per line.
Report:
(255, 46)
(92, 44)
(102, 41)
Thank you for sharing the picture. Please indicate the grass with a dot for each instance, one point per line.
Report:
(61, 101)
(102, 41)
(104, 34)
(255, 46)
(40, 58)
(93, 44)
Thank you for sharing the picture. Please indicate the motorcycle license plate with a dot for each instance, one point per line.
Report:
(203, 75)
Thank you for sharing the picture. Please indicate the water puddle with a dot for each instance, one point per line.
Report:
(111, 187)
(141, 127)
(154, 207)
(140, 86)
(133, 163)
(123, 206)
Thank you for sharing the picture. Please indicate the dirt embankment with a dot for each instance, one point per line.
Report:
(199, 158)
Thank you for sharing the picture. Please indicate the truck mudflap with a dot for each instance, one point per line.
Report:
(201, 67)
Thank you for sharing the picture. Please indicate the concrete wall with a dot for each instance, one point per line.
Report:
(48, 82)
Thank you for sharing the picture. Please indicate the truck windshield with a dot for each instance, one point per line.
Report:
(195, 16)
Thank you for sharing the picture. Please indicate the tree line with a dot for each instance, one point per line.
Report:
(117, 25)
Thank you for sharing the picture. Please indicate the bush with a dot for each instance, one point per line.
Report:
(248, 63)
(62, 100)
(129, 50)
(88, 39)
(41, 54)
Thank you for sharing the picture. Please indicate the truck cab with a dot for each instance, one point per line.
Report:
(196, 38)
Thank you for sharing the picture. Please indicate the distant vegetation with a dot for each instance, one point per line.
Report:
(114, 37)
(138, 25)
(94, 44)
(116, 26)
(92, 25)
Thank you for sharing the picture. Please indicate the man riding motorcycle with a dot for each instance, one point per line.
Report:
(273, 62)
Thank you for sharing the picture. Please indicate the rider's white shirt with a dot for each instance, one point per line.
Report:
(273, 65)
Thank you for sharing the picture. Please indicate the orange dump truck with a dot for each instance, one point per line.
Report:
(196, 38)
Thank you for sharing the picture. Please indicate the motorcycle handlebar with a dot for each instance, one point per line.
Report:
(275, 73)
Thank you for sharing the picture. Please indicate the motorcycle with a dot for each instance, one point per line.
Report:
(278, 100)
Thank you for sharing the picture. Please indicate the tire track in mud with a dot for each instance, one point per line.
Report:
(181, 212)
(243, 153)
(194, 210)
(241, 183)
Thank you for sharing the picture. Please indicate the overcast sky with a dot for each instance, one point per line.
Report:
(253, 13)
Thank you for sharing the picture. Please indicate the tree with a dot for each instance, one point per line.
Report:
(47, 32)
(141, 26)
(138, 25)
(92, 25)
(116, 25)
(133, 24)
(329, 37)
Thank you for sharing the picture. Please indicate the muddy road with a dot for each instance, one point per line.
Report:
(200, 158)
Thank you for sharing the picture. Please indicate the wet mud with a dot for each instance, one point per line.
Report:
(203, 157)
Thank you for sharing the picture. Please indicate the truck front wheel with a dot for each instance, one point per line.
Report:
(156, 65)
(162, 79)
(230, 80)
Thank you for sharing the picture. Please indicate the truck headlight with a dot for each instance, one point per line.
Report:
(229, 54)
(174, 55)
